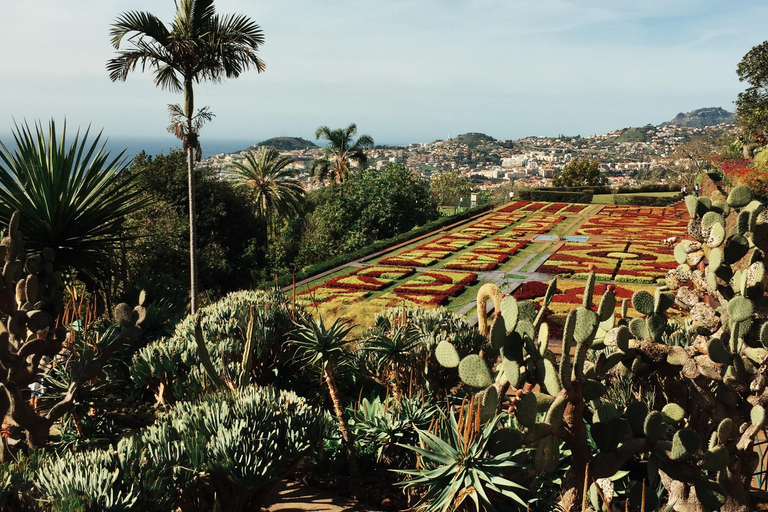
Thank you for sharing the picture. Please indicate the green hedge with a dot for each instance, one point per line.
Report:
(318, 268)
(555, 196)
(647, 200)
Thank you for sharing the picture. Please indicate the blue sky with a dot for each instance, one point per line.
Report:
(404, 71)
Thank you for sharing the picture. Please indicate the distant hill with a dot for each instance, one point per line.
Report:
(287, 143)
(642, 134)
(473, 139)
(703, 117)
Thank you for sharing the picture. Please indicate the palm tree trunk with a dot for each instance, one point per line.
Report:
(346, 434)
(189, 106)
(192, 231)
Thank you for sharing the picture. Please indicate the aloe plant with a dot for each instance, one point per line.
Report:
(463, 462)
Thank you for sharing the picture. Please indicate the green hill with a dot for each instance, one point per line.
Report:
(703, 117)
(642, 134)
(287, 143)
(473, 139)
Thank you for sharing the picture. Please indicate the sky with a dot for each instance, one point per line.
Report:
(404, 71)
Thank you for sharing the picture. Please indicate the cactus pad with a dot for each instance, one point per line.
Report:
(662, 301)
(673, 413)
(739, 196)
(717, 351)
(525, 328)
(681, 253)
(548, 376)
(742, 222)
(498, 334)
(715, 257)
(124, 314)
(586, 325)
(715, 235)
(685, 443)
(654, 426)
(725, 430)
(757, 415)
(638, 328)
(642, 301)
(589, 290)
(636, 413)
(511, 371)
(656, 324)
(446, 354)
(716, 458)
(740, 309)
(474, 372)
(711, 218)
(509, 310)
(736, 247)
(607, 307)
(526, 409)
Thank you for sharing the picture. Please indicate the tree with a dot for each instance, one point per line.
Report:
(327, 348)
(449, 186)
(369, 206)
(199, 46)
(752, 104)
(340, 152)
(691, 158)
(580, 173)
(274, 188)
(232, 238)
(72, 198)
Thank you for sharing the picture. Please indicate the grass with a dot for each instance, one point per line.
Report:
(608, 198)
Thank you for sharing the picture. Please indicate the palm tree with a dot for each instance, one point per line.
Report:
(328, 349)
(339, 153)
(72, 198)
(275, 190)
(198, 46)
(395, 353)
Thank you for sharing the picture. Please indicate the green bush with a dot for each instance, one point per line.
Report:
(555, 196)
(175, 360)
(217, 453)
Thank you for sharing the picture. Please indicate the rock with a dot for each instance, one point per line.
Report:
(705, 319)
(686, 298)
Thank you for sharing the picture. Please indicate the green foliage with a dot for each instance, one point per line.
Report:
(272, 186)
(380, 426)
(579, 173)
(449, 186)
(230, 239)
(340, 153)
(72, 197)
(752, 104)
(237, 441)
(176, 363)
(458, 468)
(368, 206)
(564, 196)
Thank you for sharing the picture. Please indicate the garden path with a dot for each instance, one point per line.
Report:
(297, 497)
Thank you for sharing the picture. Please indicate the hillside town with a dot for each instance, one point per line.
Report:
(626, 156)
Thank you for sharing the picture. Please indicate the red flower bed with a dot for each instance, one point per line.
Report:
(530, 290)
(514, 206)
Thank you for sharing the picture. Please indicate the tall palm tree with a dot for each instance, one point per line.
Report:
(72, 197)
(328, 349)
(198, 46)
(339, 153)
(276, 191)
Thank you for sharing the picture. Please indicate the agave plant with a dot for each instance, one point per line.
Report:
(460, 465)
(72, 197)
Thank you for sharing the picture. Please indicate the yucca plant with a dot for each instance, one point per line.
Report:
(328, 349)
(72, 197)
(458, 464)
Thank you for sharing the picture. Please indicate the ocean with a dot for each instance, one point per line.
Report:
(156, 145)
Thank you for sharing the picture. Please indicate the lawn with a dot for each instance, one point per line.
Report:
(609, 198)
